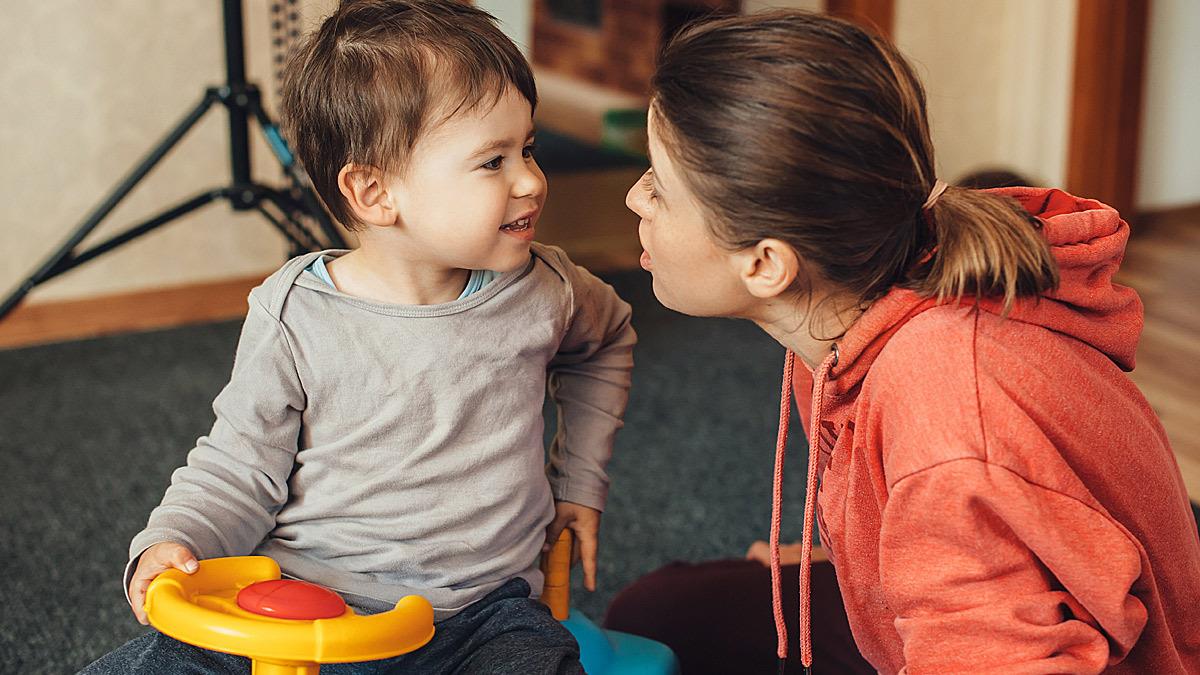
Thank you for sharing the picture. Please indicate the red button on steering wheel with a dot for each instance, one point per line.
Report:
(291, 599)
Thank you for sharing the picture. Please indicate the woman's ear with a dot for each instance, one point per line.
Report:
(768, 268)
(366, 193)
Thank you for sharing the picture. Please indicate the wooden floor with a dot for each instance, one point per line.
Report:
(1163, 264)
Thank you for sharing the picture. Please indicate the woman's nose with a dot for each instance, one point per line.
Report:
(635, 199)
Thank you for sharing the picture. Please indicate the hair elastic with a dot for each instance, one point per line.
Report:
(938, 188)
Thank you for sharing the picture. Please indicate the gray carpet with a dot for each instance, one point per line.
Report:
(90, 432)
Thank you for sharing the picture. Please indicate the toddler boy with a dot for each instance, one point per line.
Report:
(381, 434)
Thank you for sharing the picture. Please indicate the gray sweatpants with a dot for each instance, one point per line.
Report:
(505, 633)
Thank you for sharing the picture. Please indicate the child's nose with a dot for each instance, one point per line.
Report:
(530, 182)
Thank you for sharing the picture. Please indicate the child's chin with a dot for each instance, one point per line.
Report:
(511, 263)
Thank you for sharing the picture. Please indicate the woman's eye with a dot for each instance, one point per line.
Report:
(528, 150)
(648, 185)
(494, 164)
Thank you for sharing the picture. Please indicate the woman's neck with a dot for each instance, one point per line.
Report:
(809, 327)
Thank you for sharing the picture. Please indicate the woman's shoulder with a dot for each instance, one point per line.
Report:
(957, 344)
(959, 382)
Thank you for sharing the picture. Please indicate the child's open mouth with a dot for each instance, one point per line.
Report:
(521, 228)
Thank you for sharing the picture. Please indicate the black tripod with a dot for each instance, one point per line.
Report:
(293, 206)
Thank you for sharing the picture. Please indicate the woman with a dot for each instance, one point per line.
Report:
(995, 494)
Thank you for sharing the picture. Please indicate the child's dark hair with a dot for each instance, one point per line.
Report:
(364, 86)
(808, 129)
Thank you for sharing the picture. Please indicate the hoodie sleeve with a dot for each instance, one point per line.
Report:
(224, 500)
(589, 382)
(990, 573)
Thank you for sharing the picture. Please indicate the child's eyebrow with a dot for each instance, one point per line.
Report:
(500, 144)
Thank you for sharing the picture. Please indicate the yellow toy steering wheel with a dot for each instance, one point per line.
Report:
(285, 626)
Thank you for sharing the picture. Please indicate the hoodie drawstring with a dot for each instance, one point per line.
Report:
(785, 407)
(785, 410)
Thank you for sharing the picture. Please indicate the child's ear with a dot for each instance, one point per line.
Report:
(768, 268)
(366, 192)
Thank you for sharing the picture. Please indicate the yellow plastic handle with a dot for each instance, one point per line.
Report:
(556, 566)
(201, 609)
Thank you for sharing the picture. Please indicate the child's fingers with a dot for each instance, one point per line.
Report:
(575, 548)
(553, 531)
(155, 561)
(137, 599)
(588, 545)
(182, 559)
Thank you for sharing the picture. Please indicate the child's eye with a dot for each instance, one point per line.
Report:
(528, 150)
(494, 163)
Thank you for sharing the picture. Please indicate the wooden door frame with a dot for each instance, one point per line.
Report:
(877, 15)
(1107, 91)
(1106, 101)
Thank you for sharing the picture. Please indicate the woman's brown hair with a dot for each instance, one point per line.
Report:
(805, 128)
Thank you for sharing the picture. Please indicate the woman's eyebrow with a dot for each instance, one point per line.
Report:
(657, 184)
(653, 173)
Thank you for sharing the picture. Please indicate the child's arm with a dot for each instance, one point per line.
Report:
(223, 501)
(990, 573)
(589, 382)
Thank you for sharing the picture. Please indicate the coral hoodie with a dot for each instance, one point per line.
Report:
(995, 493)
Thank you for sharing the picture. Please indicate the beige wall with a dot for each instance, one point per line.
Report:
(89, 88)
(998, 75)
(759, 5)
(1169, 167)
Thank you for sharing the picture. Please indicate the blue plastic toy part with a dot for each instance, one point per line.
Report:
(610, 652)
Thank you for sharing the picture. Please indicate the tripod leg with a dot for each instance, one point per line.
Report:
(290, 222)
(177, 211)
(284, 154)
(52, 265)
(297, 236)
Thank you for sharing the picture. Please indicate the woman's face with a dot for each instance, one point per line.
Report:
(692, 273)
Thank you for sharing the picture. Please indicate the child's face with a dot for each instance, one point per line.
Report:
(472, 193)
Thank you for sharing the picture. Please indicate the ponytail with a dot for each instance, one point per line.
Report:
(984, 245)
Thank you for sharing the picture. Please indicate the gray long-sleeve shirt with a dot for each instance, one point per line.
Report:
(384, 450)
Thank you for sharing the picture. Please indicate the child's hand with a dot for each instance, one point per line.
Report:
(585, 523)
(154, 561)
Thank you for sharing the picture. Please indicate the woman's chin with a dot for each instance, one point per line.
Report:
(705, 306)
(666, 299)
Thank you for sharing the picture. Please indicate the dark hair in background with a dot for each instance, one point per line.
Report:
(993, 177)
(377, 74)
(807, 129)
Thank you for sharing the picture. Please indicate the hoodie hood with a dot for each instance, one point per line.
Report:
(1087, 240)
